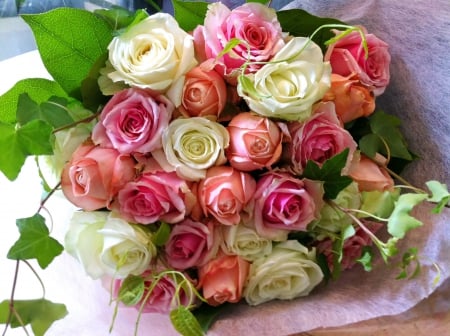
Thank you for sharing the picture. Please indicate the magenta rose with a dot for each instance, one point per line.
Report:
(94, 175)
(255, 142)
(191, 244)
(254, 23)
(352, 246)
(318, 139)
(164, 296)
(224, 193)
(133, 121)
(347, 57)
(154, 196)
(284, 203)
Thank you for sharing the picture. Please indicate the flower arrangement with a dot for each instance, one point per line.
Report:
(231, 155)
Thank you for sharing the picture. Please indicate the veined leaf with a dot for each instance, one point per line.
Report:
(70, 41)
(38, 89)
(185, 322)
(439, 195)
(40, 314)
(189, 14)
(366, 258)
(35, 242)
(161, 236)
(131, 290)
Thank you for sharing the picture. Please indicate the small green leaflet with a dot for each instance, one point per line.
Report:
(185, 322)
(366, 258)
(131, 290)
(38, 89)
(385, 132)
(70, 41)
(161, 236)
(189, 14)
(229, 46)
(17, 142)
(439, 195)
(40, 314)
(52, 111)
(400, 221)
(35, 242)
(330, 174)
(410, 264)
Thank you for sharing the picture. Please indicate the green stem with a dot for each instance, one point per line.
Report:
(37, 276)
(81, 121)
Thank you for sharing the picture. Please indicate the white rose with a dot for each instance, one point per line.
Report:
(107, 245)
(152, 54)
(288, 86)
(288, 272)
(193, 145)
(245, 242)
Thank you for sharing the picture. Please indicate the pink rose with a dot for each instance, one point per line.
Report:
(255, 142)
(351, 99)
(94, 175)
(224, 193)
(163, 297)
(204, 93)
(347, 57)
(154, 196)
(223, 279)
(191, 244)
(284, 203)
(254, 23)
(352, 246)
(371, 176)
(319, 138)
(133, 121)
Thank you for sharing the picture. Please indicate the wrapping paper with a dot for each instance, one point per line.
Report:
(418, 33)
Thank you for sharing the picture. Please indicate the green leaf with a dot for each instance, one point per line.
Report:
(19, 142)
(40, 314)
(330, 173)
(38, 89)
(117, 17)
(322, 261)
(338, 249)
(35, 242)
(52, 111)
(259, 1)
(207, 314)
(189, 14)
(410, 264)
(91, 94)
(366, 258)
(370, 144)
(400, 221)
(230, 45)
(301, 23)
(379, 203)
(70, 41)
(185, 322)
(162, 234)
(439, 195)
(131, 290)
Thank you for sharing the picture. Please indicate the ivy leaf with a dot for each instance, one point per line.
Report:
(301, 23)
(439, 195)
(185, 322)
(162, 234)
(38, 89)
(132, 290)
(40, 314)
(366, 258)
(330, 174)
(70, 41)
(51, 111)
(400, 221)
(35, 242)
(207, 314)
(189, 14)
(19, 142)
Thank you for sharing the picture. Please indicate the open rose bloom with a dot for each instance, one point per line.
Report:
(218, 169)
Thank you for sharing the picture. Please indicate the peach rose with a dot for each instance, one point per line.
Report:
(94, 175)
(351, 99)
(224, 193)
(255, 142)
(347, 57)
(222, 279)
(370, 175)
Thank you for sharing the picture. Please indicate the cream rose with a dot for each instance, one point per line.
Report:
(245, 242)
(288, 272)
(152, 54)
(193, 145)
(106, 245)
(288, 86)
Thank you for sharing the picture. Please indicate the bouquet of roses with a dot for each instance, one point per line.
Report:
(230, 155)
